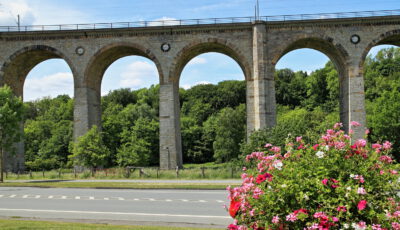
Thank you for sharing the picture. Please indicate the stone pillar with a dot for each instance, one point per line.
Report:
(261, 88)
(87, 110)
(354, 93)
(170, 127)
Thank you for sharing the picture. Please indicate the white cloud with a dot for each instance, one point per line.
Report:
(139, 74)
(197, 61)
(51, 85)
(188, 86)
(164, 21)
(9, 11)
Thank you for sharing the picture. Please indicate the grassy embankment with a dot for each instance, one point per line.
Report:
(49, 225)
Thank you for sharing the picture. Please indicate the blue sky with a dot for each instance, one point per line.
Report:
(53, 77)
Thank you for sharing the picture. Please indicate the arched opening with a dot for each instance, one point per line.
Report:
(381, 66)
(212, 98)
(128, 78)
(43, 77)
(308, 88)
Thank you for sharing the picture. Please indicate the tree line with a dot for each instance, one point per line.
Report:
(213, 119)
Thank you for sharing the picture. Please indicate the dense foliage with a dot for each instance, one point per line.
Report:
(307, 105)
(331, 184)
(11, 115)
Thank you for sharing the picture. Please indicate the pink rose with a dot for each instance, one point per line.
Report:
(362, 205)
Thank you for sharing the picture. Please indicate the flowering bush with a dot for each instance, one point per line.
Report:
(334, 184)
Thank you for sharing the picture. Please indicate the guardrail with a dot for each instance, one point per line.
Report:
(207, 21)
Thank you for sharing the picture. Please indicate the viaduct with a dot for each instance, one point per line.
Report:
(256, 44)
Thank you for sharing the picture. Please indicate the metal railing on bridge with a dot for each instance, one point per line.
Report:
(207, 21)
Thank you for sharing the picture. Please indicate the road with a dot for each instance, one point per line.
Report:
(152, 207)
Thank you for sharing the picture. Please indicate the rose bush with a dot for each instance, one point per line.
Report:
(333, 184)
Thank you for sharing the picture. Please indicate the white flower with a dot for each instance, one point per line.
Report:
(278, 164)
(348, 188)
(284, 186)
(352, 176)
(306, 197)
(326, 148)
(320, 154)
(346, 226)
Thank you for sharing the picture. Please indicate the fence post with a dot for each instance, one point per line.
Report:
(43, 173)
(59, 173)
(128, 172)
(202, 172)
(75, 173)
(30, 174)
(6, 174)
(177, 171)
(232, 171)
(158, 169)
(141, 172)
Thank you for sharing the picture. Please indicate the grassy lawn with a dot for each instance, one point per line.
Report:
(33, 225)
(63, 184)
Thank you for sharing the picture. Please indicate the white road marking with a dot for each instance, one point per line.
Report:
(116, 213)
(50, 197)
(63, 197)
(37, 196)
(220, 201)
(168, 200)
(91, 198)
(202, 201)
(106, 198)
(25, 196)
(120, 198)
(1, 196)
(184, 200)
(136, 199)
(77, 198)
(12, 196)
(151, 199)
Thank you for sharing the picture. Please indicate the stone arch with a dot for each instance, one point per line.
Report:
(336, 52)
(389, 38)
(204, 46)
(17, 66)
(104, 57)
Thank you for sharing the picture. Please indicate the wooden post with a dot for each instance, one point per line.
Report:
(158, 169)
(43, 173)
(30, 174)
(75, 173)
(202, 172)
(232, 171)
(177, 171)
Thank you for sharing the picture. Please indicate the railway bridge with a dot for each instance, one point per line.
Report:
(256, 44)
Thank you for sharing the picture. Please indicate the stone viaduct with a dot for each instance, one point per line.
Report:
(256, 46)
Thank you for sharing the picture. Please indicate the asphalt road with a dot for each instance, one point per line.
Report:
(127, 206)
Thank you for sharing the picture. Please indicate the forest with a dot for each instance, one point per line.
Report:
(307, 104)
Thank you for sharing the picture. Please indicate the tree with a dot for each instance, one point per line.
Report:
(230, 132)
(89, 150)
(11, 116)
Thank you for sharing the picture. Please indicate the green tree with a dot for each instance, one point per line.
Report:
(230, 132)
(11, 116)
(89, 150)
(140, 144)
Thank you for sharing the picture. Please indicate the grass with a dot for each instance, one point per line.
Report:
(122, 185)
(191, 171)
(49, 225)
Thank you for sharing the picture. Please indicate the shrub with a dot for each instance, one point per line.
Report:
(334, 184)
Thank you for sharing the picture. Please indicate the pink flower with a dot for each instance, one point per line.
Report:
(276, 149)
(394, 172)
(362, 205)
(355, 124)
(381, 172)
(298, 139)
(325, 181)
(261, 178)
(267, 145)
(315, 147)
(233, 227)
(367, 131)
(361, 191)
(338, 125)
(386, 159)
(395, 226)
(360, 143)
(376, 146)
(335, 219)
(387, 145)
(361, 225)
(275, 219)
(320, 215)
(341, 209)
(291, 217)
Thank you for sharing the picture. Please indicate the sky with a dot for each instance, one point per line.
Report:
(54, 77)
